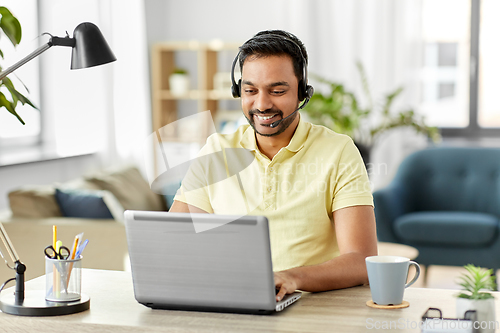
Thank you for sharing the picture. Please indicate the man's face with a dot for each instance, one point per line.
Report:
(269, 93)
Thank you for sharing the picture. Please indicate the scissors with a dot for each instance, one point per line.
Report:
(51, 253)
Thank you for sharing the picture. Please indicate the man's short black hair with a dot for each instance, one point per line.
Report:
(274, 42)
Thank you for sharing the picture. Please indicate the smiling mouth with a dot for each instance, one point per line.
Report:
(265, 117)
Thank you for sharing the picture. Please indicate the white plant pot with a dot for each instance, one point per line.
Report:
(485, 312)
(179, 84)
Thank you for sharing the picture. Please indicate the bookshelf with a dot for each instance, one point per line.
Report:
(203, 90)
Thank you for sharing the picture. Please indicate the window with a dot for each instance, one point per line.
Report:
(444, 81)
(489, 67)
(12, 132)
(458, 82)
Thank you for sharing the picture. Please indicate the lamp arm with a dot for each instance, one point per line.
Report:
(19, 267)
(29, 57)
(54, 40)
(8, 244)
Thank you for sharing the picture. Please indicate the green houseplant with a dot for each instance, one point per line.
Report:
(11, 28)
(475, 296)
(475, 282)
(340, 110)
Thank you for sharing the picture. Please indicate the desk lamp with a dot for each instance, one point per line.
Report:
(89, 49)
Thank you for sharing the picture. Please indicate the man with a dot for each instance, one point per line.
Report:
(310, 182)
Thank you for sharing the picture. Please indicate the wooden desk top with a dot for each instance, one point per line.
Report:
(113, 308)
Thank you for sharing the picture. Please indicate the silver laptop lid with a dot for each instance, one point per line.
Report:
(224, 267)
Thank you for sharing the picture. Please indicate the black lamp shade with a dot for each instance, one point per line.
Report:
(91, 49)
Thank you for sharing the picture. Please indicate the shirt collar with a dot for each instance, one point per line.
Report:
(296, 143)
(299, 137)
(248, 139)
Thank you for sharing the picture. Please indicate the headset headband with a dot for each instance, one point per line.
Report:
(305, 91)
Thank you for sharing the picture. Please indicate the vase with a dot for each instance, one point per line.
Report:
(179, 84)
(485, 309)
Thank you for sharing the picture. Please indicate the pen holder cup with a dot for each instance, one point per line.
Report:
(63, 279)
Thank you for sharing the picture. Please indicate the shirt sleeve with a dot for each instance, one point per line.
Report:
(351, 186)
(193, 190)
(194, 187)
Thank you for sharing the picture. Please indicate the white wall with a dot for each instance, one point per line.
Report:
(232, 21)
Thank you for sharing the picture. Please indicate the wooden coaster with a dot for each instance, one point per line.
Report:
(405, 304)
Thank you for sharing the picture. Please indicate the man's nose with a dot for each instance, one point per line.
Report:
(263, 102)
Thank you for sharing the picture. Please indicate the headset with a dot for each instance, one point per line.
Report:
(305, 91)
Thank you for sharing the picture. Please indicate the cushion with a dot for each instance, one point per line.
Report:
(447, 228)
(169, 192)
(34, 202)
(129, 188)
(82, 203)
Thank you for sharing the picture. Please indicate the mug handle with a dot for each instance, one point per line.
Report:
(417, 273)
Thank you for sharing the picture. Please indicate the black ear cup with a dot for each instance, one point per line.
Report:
(309, 91)
(236, 89)
(305, 91)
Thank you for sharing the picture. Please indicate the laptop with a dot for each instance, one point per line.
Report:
(225, 268)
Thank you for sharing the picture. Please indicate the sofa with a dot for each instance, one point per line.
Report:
(445, 202)
(92, 204)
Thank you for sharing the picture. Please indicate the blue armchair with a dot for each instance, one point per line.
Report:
(446, 203)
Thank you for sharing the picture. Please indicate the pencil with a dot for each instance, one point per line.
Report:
(73, 253)
(54, 236)
(75, 244)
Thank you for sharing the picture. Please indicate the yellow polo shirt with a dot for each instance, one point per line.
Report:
(319, 172)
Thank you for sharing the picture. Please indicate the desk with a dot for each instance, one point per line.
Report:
(114, 309)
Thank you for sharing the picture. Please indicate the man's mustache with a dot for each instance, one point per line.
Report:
(269, 111)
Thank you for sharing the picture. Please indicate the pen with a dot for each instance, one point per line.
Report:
(81, 248)
(58, 248)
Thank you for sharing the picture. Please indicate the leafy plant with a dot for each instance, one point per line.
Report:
(340, 110)
(178, 70)
(475, 280)
(12, 29)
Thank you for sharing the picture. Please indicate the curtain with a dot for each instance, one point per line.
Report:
(385, 35)
(130, 103)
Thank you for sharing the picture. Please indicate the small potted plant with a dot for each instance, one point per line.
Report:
(179, 82)
(474, 295)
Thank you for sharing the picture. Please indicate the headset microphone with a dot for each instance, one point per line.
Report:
(277, 122)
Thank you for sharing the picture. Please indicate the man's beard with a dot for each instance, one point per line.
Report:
(282, 126)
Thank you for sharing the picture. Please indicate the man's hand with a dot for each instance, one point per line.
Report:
(285, 283)
(357, 239)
